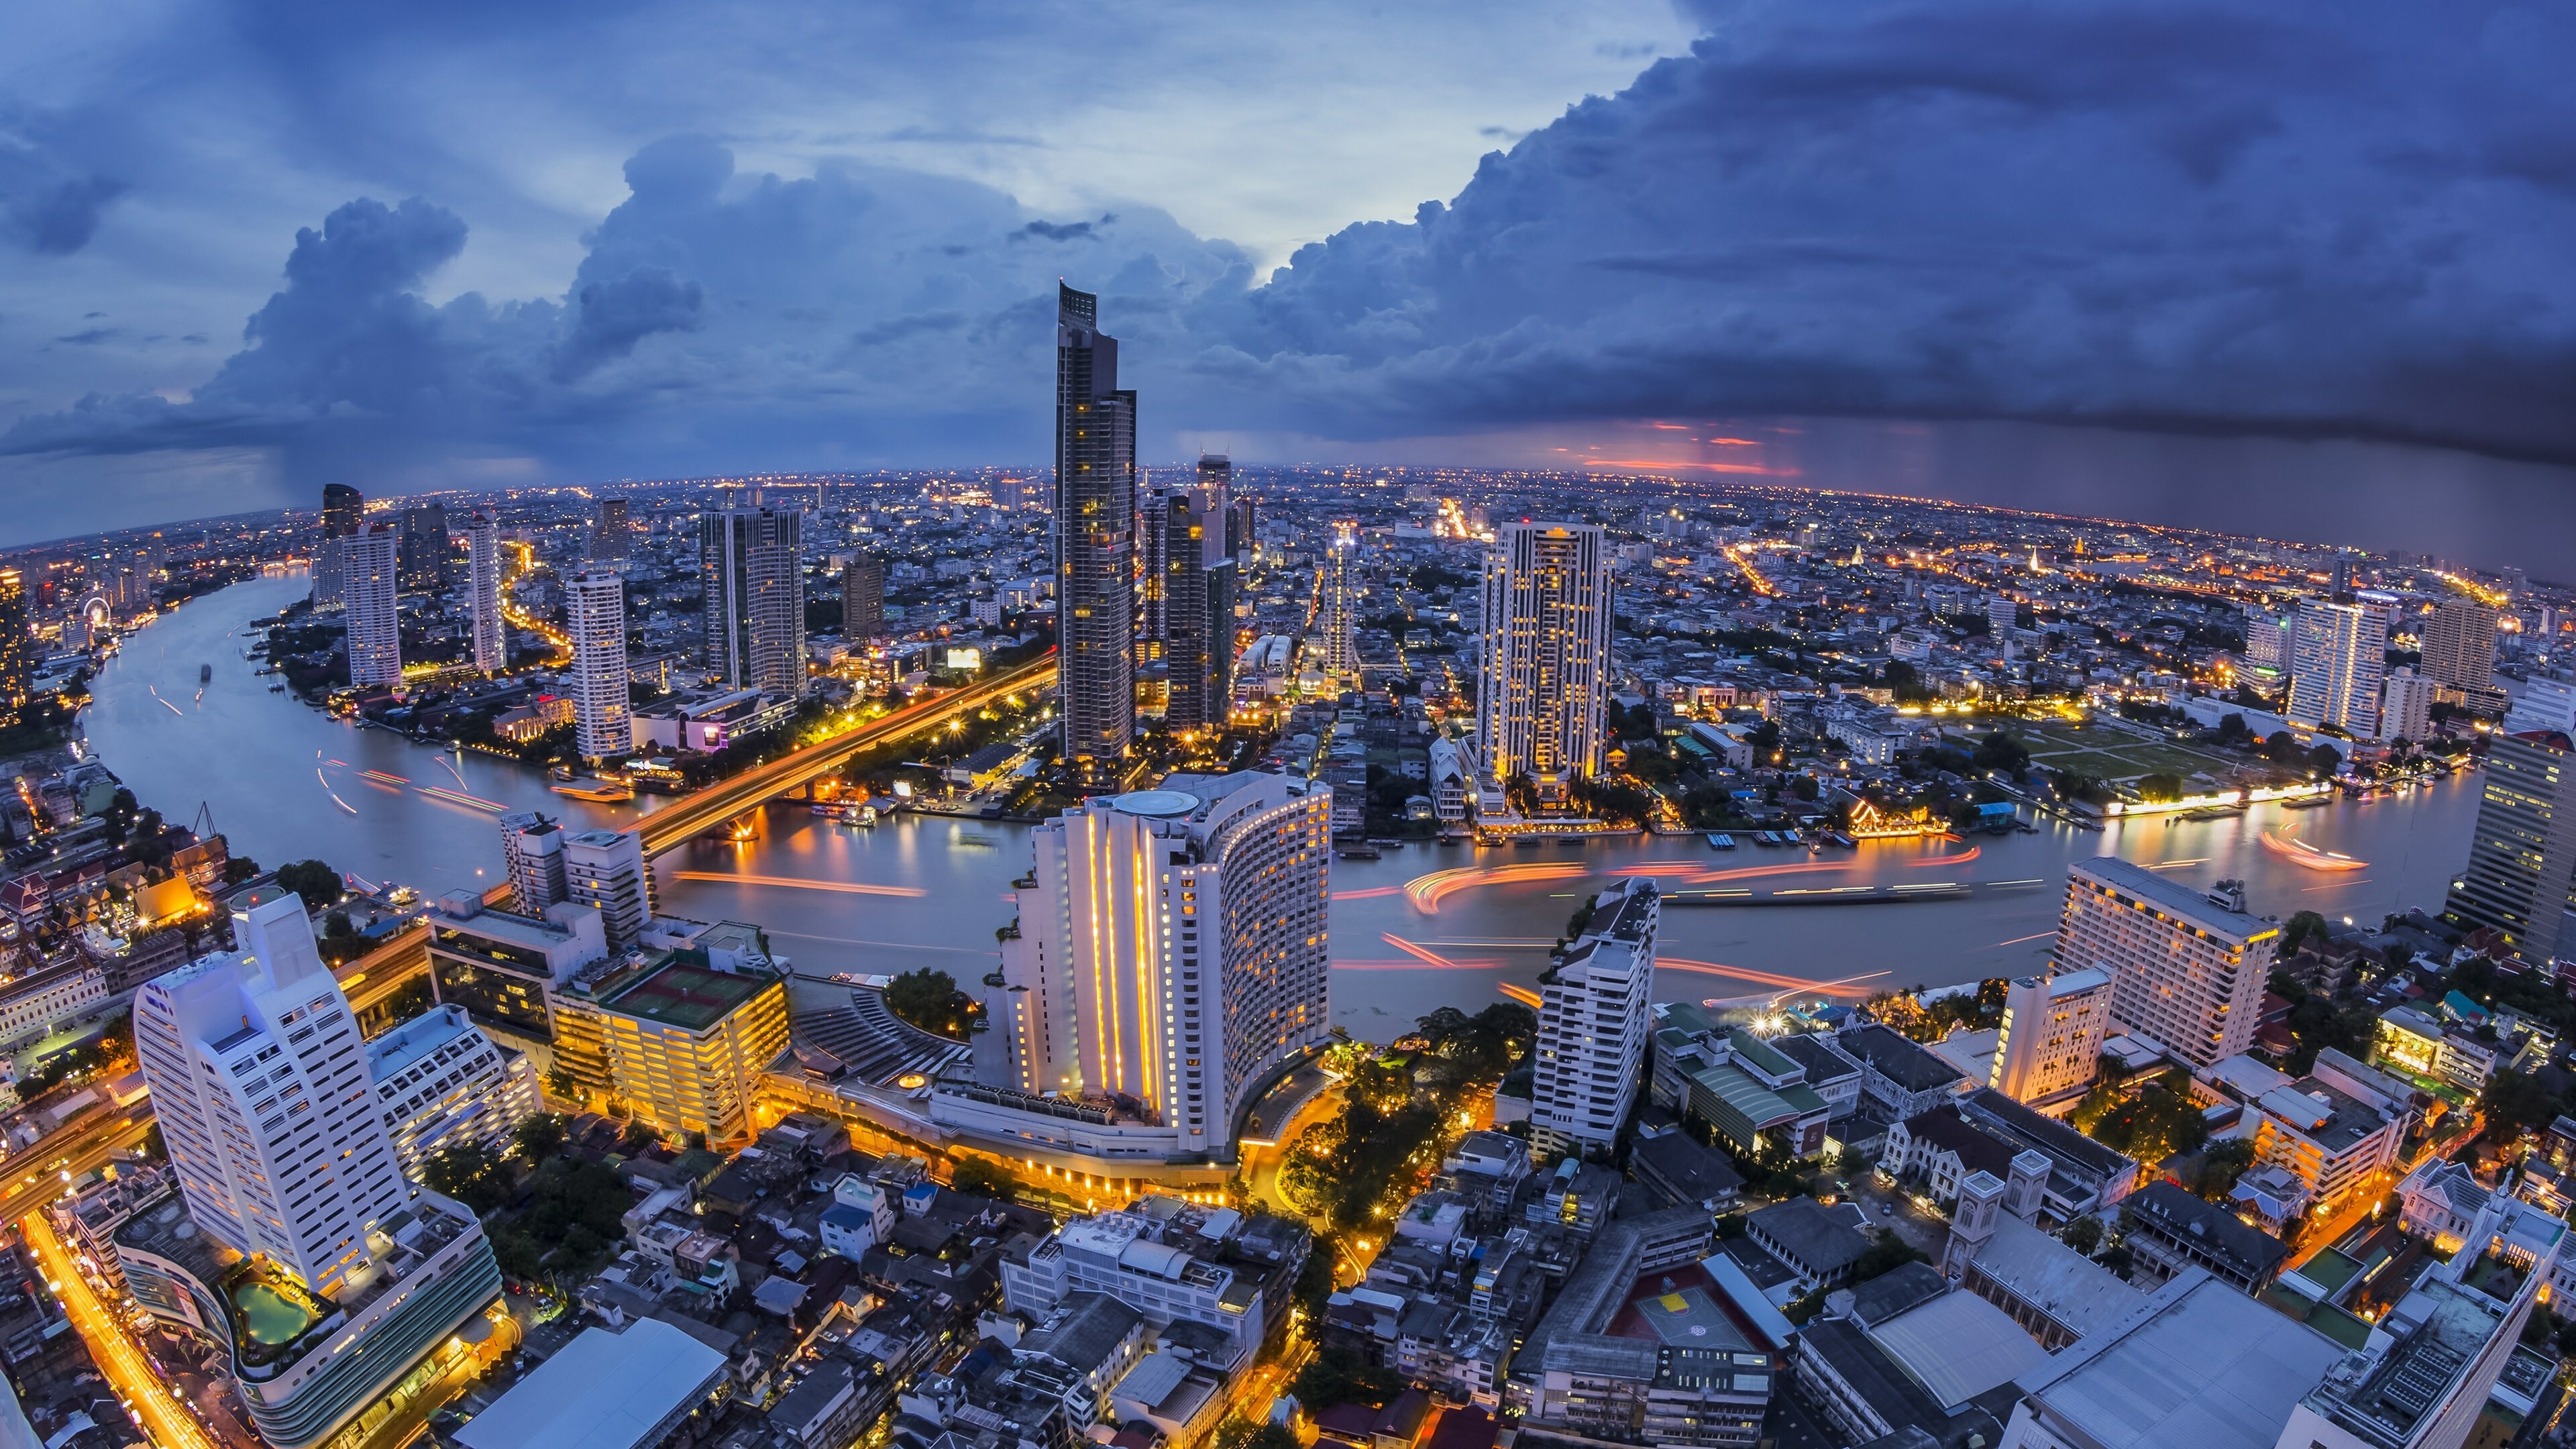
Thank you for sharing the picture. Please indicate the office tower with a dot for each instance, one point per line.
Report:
(500, 964)
(595, 602)
(2545, 702)
(370, 591)
(342, 507)
(483, 593)
(532, 850)
(2339, 653)
(863, 598)
(1593, 1022)
(1095, 544)
(2267, 639)
(679, 1038)
(1546, 671)
(2001, 614)
(442, 1082)
(2459, 645)
(424, 548)
(752, 564)
(17, 645)
(296, 1242)
(2406, 706)
(1192, 598)
(608, 530)
(2187, 968)
(2523, 853)
(606, 870)
(1337, 608)
(2051, 1038)
(1171, 950)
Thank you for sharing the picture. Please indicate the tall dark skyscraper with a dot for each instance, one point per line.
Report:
(1193, 605)
(1095, 543)
(863, 597)
(752, 564)
(608, 532)
(1217, 470)
(342, 508)
(17, 647)
(424, 548)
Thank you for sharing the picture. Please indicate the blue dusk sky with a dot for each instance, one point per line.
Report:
(2285, 267)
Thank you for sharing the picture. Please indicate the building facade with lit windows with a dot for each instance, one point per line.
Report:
(1170, 955)
(2050, 1043)
(2338, 653)
(483, 593)
(677, 1037)
(2187, 968)
(370, 585)
(444, 1081)
(1594, 1019)
(1546, 669)
(2522, 859)
(1095, 543)
(595, 603)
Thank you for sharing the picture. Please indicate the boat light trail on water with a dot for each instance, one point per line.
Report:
(381, 776)
(1428, 890)
(1368, 894)
(1840, 986)
(457, 797)
(1521, 994)
(1961, 858)
(2300, 853)
(791, 883)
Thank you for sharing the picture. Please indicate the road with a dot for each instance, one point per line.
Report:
(36, 1175)
(128, 1369)
(2357, 1203)
(695, 814)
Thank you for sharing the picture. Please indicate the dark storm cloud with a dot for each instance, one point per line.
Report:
(2297, 219)
(49, 203)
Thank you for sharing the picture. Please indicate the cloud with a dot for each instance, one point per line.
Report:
(49, 203)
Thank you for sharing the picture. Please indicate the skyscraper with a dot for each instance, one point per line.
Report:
(532, 852)
(2050, 1042)
(2523, 854)
(17, 646)
(1337, 607)
(2187, 968)
(483, 593)
(1546, 675)
(2267, 638)
(863, 597)
(443, 1081)
(1171, 950)
(595, 601)
(342, 507)
(2406, 706)
(370, 591)
(1593, 1019)
(751, 562)
(606, 870)
(2460, 645)
(2340, 651)
(1194, 603)
(424, 548)
(1095, 543)
(608, 531)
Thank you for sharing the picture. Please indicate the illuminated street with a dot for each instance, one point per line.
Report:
(128, 1369)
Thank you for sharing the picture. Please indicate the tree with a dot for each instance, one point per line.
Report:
(540, 1137)
(2515, 1102)
(2000, 751)
(978, 1177)
(239, 868)
(316, 882)
(930, 1000)
(469, 1172)
(1238, 1432)
(1884, 1256)
(1343, 1376)
(2083, 1235)
(2324, 760)
(2222, 1164)
(639, 1137)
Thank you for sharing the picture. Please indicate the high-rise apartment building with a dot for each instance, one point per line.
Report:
(2187, 968)
(2267, 638)
(295, 1241)
(17, 646)
(443, 1082)
(2051, 1040)
(1594, 1020)
(2459, 645)
(370, 590)
(1192, 599)
(595, 603)
(2406, 706)
(678, 1038)
(1546, 675)
(606, 870)
(608, 529)
(863, 598)
(342, 509)
(2339, 653)
(483, 593)
(532, 849)
(751, 562)
(2523, 854)
(1095, 543)
(1171, 951)
(2544, 703)
(1337, 655)
(424, 548)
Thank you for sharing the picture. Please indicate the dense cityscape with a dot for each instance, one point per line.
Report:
(313, 1159)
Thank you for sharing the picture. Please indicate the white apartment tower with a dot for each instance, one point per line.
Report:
(2338, 655)
(532, 847)
(2406, 705)
(606, 870)
(483, 593)
(1171, 949)
(2051, 1039)
(443, 1082)
(1337, 611)
(2187, 969)
(370, 580)
(1594, 1016)
(260, 1081)
(595, 601)
(1546, 676)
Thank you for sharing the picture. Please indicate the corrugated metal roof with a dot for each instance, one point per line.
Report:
(602, 1391)
(1958, 1346)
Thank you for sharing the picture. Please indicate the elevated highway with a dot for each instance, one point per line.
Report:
(694, 815)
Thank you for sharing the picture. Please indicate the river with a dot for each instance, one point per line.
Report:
(285, 782)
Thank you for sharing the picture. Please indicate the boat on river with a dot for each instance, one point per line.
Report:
(597, 791)
(1719, 840)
